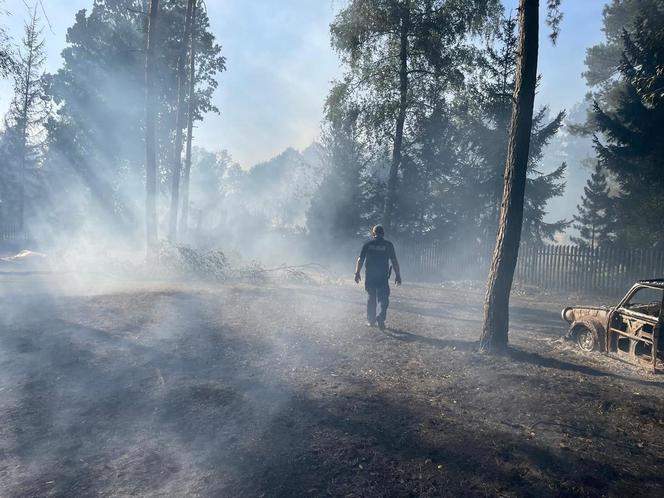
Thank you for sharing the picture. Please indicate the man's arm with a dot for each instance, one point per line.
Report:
(360, 262)
(358, 269)
(395, 265)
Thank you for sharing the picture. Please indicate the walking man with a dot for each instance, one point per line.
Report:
(377, 254)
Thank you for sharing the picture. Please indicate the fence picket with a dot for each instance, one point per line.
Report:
(550, 265)
(584, 268)
(564, 269)
(616, 270)
(588, 262)
(612, 271)
(541, 265)
(559, 267)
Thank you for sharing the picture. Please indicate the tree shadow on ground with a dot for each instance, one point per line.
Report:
(513, 354)
(444, 343)
(536, 359)
(522, 318)
(193, 407)
(370, 444)
(91, 411)
(544, 321)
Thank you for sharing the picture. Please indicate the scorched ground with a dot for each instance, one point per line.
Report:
(280, 390)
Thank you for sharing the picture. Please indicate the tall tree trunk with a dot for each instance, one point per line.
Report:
(25, 117)
(177, 154)
(150, 138)
(390, 196)
(184, 221)
(23, 151)
(496, 302)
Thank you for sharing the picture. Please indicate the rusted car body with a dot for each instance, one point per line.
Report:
(630, 330)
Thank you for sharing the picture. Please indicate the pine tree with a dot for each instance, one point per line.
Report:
(604, 59)
(335, 212)
(492, 110)
(595, 219)
(6, 56)
(627, 125)
(28, 111)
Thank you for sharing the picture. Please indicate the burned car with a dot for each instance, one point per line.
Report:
(629, 330)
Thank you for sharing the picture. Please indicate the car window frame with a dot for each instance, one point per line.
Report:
(636, 288)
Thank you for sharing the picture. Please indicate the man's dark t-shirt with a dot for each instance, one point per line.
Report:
(377, 254)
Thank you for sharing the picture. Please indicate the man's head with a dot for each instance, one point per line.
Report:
(377, 232)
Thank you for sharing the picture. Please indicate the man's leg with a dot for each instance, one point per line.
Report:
(383, 296)
(371, 303)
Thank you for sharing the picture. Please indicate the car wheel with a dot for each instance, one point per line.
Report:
(585, 339)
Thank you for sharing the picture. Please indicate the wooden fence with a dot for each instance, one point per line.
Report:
(570, 268)
(12, 233)
(562, 268)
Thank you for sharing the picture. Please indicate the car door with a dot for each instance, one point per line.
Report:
(635, 324)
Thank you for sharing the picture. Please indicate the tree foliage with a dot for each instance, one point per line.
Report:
(603, 60)
(492, 112)
(399, 54)
(6, 55)
(335, 212)
(595, 219)
(450, 179)
(627, 121)
(23, 139)
(99, 93)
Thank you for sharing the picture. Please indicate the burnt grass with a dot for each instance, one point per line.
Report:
(281, 390)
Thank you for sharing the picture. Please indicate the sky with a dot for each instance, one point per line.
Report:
(280, 66)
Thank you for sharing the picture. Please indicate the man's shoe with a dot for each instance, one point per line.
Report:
(371, 324)
(381, 323)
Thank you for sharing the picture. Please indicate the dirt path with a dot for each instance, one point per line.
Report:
(241, 390)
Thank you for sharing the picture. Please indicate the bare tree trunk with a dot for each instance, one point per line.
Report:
(177, 155)
(23, 146)
(390, 196)
(150, 139)
(496, 302)
(184, 220)
(25, 114)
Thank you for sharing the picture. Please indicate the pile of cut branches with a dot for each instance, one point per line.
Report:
(179, 261)
(184, 262)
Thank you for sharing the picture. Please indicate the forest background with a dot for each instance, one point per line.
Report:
(73, 159)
